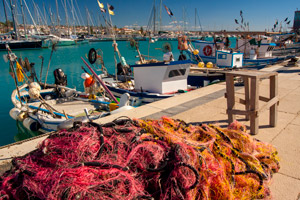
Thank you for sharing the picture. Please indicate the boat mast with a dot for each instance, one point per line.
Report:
(74, 21)
(160, 21)
(196, 15)
(57, 17)
(195, 19)
(30, 16)
(154, 17)
(7, 27)
(45, 17)
(13, 18)
(67, 20)
(87, 17)
(24, 22)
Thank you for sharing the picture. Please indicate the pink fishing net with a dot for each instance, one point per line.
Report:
(144, 159)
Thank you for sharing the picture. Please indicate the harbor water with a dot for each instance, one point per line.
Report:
(69, 60)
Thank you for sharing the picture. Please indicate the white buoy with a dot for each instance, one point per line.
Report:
(31, 124)
(122, 109)
(14, 113)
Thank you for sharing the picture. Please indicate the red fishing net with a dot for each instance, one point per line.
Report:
(143, 159)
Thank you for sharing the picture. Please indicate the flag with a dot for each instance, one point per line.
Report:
(236, 21)
(241, 13)
(288, 22)
(100, 4)
(111, 12)
(103, 10)
(110, 9)
(20, 75)
(168, 11)
(286, 19)
(276, 22)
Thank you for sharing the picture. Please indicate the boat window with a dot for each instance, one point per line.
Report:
(182, 71)
(237, 60)
(222, 56)
(176, 72)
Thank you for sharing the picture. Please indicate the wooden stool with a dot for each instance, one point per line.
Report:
(252, 97)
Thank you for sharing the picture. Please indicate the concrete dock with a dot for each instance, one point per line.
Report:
(208, 105)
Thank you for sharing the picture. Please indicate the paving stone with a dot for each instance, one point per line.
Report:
(288, 147)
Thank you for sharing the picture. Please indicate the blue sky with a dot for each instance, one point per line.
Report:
(213, 14)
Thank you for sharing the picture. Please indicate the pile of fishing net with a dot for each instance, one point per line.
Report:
(144, 159)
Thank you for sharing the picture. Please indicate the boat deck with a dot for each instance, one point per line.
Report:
(73, 108)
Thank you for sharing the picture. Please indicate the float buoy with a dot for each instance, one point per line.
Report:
(209, 65)
(196, 52)
(88, 82)
(31, 124)
(201, 64)
(14, 113)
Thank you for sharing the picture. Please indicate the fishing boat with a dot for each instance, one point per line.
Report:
(48, 107)
(58, 40)
(52, 107)
(255, 53)
(21, 44)
(7, 39)
(153, 81)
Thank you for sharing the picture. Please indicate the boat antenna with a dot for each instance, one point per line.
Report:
(41, 57)
(115, 45)
(12, 58)
(52, 50)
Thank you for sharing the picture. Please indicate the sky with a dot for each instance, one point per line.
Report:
(214, 15)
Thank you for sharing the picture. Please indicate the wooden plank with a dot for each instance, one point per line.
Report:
(242, 112)
(254, 105)
(237, 99)
(252, 73)
(270, 103)
(265, 99)
(247, 97)
(273, 94)
(230, 96)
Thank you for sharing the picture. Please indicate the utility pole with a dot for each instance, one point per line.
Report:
(24, 22)
(7, 27)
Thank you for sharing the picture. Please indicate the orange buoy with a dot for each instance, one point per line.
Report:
(88, 82)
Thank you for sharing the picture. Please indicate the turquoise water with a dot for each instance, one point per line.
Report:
(68, 59)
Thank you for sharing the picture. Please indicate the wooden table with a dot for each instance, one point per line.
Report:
(251, 80)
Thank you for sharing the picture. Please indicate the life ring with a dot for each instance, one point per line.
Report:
(207, 50)
(92, 56)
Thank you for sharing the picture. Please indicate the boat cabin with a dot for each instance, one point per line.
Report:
(227, 59)
(161, 77)
(253, 48)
